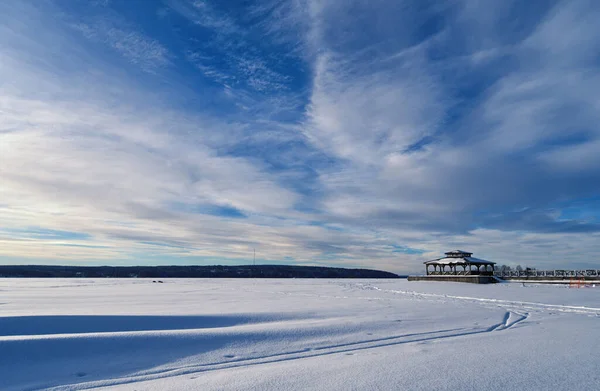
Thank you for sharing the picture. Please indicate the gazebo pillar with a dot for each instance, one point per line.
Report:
(426, 269)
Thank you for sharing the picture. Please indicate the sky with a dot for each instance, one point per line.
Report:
(374, 134)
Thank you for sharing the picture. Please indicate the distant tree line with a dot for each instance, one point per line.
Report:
(254, 271)
(519, 268)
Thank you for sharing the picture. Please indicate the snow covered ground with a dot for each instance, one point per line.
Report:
(133, 334)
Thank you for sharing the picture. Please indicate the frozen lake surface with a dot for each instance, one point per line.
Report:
(224, 334)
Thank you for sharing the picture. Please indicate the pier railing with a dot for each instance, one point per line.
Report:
(547, 273)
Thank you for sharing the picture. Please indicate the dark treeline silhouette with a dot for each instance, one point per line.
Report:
(254, 271)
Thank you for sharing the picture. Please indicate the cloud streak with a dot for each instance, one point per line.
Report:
(136, 48)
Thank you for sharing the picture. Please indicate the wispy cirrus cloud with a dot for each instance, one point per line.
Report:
(371, 134)
(231, 52)
(135, 47)
(203, 13)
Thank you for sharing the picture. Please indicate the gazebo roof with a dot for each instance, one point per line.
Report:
(463, 260)
(457, 252)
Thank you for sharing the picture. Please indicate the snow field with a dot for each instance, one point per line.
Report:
(215, 334)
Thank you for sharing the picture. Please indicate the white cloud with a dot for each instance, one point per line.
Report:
(577, 158)
(366, 116)
(74, 160)
(369, 112)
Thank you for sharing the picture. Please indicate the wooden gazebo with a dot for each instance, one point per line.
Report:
(459, 263)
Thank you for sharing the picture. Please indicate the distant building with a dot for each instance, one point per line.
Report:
(459, 263)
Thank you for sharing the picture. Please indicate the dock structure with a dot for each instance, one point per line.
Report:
(458, 266)
(559, 276)
(559, 273)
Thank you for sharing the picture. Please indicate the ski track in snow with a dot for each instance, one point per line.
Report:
(510, 319)
(508, 304)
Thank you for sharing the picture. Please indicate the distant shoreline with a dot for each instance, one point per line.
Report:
(215, 271)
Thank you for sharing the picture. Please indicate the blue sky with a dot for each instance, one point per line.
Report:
(346, 133)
